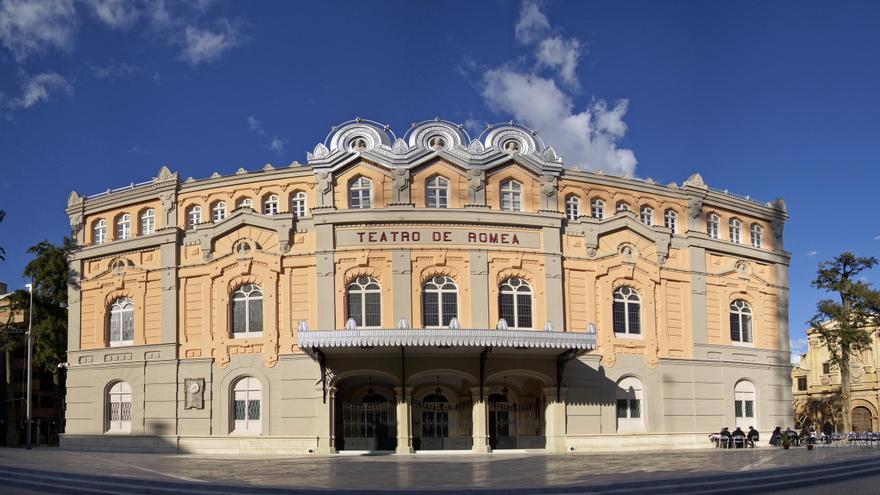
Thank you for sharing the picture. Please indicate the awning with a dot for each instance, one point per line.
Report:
(446, 337)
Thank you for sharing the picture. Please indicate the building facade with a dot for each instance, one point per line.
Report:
(816, 387)
(419, 293)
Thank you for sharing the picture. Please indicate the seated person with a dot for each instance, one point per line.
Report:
(725, 438)
(753, 436)
(739, 437)
(776, 437)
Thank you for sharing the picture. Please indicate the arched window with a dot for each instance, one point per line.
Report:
(360, 192)
(123, 227)
(626, 311)
(298, 204)
(148, 221)
(572, 207)
(511, 195)
(247, 311)
(121, 322)
(515, 303)
(712, 228)
(193, 217)
(439, 302)
(437, 189)
(670, 220)
(597, 209)
(740, 321)
(119, 408)
(735, 227)
(646, 215)
(218, 211)
(247, 398)
(744, 398)
(99, 232)
(365, 302)
(245, 203)
(270, 205)
(629, 405)
(757, 235)
(622, 206)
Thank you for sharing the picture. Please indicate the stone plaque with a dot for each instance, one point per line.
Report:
(195, 393)
(438, 236)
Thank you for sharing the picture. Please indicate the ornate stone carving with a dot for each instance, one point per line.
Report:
(400, 147)
(321, 151)
(476, 179)
(195, 393)
(476, 147)
(164, 174)
(400, 178)
(591, 252)
(695, 180)
(661, 259)
(695, 206)
(548, 185)
(73, 198)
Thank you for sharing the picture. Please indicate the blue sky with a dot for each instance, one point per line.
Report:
(768, 99)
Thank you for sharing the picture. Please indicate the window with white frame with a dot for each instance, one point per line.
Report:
(218, 211)
(646, 215)
(148, 221)
(629, 405)
(741, 322)
(597, 209)
(270, 205)
(670, 220)
(123, 227)
(245, 203)
(247, 398)
(119, 408)
(626, 311)
(757, 235)
(511, 195)
(439, 302)
(572, 207)
(622, 206)
(437, 196)
(193, 217)
(735, 228)
(247, 311)
(298, 204)
(712, 227)
(744, 400)
(121, 322)
(360, 192)
(99, 232)
(365, 302)
(515, 303)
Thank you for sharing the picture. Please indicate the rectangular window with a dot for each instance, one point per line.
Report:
(254, 409)
(354, 308)
(524, 307)
(734, 328)
(635, 408)
(505, 308)
(802, 383)
(621, 408)
(619, 317)
(255, 314)
(826, 368)
(634, 323)
(238, 317)
(239, 410)
(750, 408)
(373, 309)
(738, 408)
(127, 326)
(431, 309)
(450, 307)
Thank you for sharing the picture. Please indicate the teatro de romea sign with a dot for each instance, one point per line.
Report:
(437, 236)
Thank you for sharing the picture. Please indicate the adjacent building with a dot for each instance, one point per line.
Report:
(431, 291)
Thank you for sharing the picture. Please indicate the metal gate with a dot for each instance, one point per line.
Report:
(516, 425)
(442, 425)
(861, 419)
(368, 426)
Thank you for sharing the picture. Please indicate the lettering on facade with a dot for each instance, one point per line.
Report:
(349, 237)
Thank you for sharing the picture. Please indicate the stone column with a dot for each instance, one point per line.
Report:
(697, 257)
(479, 290)
(326, 424)
(404, 420)
(555, 293)
(480, 422)
(326, 273)
(401, 283)
(168, 255)
(554, 420)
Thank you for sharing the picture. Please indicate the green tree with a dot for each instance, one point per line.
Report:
(12, 343)
(2, 251)
(50, 273)
(844, 325)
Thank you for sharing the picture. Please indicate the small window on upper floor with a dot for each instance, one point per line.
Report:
(511, 195)
(99, 232)
(360, 193)
(646, 215)
(437, 192)
(123, 227)
(148, 221)
(670, 220)
(735, 230)
(826, 368)
(622, 206)
(245, 203)
(801, 383)
(218, 211)
(193, 217)
(757, 235)
(572, 207)
(712, 226)
(298, 204)
(270, 205)
(597, 209)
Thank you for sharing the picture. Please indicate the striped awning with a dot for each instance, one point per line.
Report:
(446, 337)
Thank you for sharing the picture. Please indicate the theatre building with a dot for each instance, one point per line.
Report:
(434, 291)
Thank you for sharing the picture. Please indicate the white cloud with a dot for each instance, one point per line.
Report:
(276, 143)
(532, 23)
(474, 126)
(116, 71)
(798, 347)
(29, 27)
(587, 136)
(118, 14)
(203, 46)
(255, 125)
(811, 253)
(39, 88)
(877, 237)
(138, 150)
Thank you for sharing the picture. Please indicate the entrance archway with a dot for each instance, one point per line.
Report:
(442, 417)
(365, 415)
(515, 423)
(861, 419)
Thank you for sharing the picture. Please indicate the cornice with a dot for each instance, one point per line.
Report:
(481, 216)
(167, 235)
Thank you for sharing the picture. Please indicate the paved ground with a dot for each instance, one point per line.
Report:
(497, 472)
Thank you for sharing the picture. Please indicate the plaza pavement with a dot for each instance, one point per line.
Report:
(693, 471)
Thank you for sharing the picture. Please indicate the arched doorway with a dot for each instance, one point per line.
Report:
(515, 424)
(365, 416)
(441, 413)
(861, 419)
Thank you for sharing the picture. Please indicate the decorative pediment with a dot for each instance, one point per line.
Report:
(206, 235)
(593, 229)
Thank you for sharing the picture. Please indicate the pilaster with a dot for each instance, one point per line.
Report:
(782, 306)
(325, 271)
(404, 420)
(168, 254)
(554, 420)
(401, 284)
(479, 263)
(480, 422)
(555, 294)
(326, 421)
(697, 259)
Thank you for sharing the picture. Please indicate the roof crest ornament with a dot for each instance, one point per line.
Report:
(695, 180)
